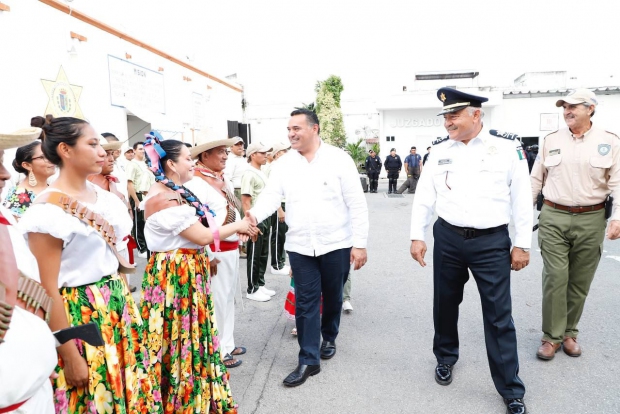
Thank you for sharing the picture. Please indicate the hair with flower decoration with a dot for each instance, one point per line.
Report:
(158, 152)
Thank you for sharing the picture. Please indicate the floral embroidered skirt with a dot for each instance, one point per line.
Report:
(177, 308)
(119, 378)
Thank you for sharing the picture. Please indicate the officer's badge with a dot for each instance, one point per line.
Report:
(604, 149)
(442, 97)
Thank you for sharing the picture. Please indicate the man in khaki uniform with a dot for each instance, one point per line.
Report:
(576, 168)
(253, 183)
(139, 181)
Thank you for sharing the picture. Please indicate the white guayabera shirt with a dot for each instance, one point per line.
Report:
(325, 204)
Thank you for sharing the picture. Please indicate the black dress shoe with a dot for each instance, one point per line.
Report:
(515, 406)
(443, 374)
(328, 350)
(301, 374)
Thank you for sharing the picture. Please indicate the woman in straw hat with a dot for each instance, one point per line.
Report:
(27, 346)
(30, 161)
(177, 304)
(79, 271)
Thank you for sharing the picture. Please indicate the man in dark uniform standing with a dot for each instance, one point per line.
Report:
(428, 152)
(392, 165)
(477, 179)
(373, 168)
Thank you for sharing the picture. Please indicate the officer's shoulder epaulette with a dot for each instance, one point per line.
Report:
(440, 140)
(615, 135)
(505, 135)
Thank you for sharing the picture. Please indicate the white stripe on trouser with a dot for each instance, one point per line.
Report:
(135, 223)
(223, 288)
(252, 267)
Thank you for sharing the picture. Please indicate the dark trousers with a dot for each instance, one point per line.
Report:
(258, 255)
(392, 179)
(412, 181)
(314, 275)
(278, 236)
(488, 258)
(138, 225)
(373, 178)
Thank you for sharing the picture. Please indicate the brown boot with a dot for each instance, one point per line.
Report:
(571, 347)
(547, 350)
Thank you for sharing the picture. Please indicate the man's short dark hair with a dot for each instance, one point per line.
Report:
(311, 117)
(135, 146)
(109, 136)
(413, 148)
(427, 148)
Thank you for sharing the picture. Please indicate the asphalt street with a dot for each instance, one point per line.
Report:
(384, 361)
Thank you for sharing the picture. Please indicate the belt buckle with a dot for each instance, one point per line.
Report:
(470, 233)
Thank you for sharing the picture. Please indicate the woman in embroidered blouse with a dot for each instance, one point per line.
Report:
(30, 161)
(176, 304)
(79, 271)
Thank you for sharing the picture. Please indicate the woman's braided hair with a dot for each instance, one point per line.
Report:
(158, 152)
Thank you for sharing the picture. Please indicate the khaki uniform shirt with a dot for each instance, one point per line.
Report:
(139, 173)
(578, 171)
(252, 183)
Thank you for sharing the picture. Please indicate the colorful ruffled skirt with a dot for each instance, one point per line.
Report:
(119, 376)
(183, 345)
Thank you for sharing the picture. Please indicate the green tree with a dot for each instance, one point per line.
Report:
(309, 107)
(329, 113)
(357, 151)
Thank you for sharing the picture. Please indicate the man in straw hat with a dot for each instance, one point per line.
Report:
(235, 167)
(252, 184)
(27, 347)
(214, 189)
(577, 168)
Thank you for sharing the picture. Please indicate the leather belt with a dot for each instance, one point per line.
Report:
(575, 209)
(471, 233)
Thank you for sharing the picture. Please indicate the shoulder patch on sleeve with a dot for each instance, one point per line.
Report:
(505, 135)
(440, 140)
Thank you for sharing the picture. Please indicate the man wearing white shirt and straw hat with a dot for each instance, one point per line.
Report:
(214, 189)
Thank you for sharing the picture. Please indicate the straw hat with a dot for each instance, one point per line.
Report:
(111, 145)
(207, 139)
(19, 138)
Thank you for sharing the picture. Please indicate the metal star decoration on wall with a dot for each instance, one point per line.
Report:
(63, 97)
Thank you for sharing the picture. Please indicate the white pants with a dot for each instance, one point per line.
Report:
(223, 287)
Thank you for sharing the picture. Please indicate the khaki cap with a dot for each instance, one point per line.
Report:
(578, 96)
(256, 147)
(280, 146)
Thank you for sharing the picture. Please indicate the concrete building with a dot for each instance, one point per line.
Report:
(62, 61)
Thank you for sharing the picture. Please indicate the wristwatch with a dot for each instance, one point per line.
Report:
(525, 250)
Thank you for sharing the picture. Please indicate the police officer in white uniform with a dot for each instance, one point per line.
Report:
(477, 180)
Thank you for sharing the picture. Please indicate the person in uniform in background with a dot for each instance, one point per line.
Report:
(129, 154)
(477, 180)
(392, 165)
(278, 223)
(235, 167)
(577, 168)
(532, 153)
(373, 169)
(213, 188)
(425, 158)
(413, 168)
(267, 167)
(139, 180)
(252, 184)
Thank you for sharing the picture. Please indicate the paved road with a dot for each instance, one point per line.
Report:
(385, 362)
